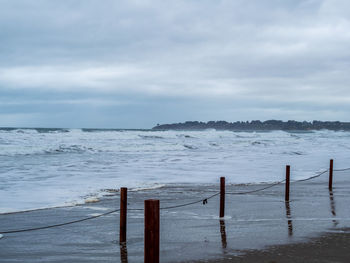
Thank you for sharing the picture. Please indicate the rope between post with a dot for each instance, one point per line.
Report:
(341, 170)
(58, 225)
(204, 200)
(280, 182)
(257, 190)
(310, 178)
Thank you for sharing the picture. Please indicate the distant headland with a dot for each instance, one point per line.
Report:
(256, 125)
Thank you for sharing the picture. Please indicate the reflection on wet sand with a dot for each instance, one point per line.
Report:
(332, 203)
(223, 234)
(123, 253)
(289, 217)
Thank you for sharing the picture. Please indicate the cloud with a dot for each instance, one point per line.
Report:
(277, 57)
(66, 77)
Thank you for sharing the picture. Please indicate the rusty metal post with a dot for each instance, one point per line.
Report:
(151, 246)
(123, 210)
(222, 196)
(287, 183)
(330, 184)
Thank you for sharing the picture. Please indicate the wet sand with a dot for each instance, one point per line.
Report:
(194, 233)
(331, 247)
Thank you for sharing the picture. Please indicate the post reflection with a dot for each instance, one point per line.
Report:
(289, 217)
(223, 234)
(332, 203)
(123, 253)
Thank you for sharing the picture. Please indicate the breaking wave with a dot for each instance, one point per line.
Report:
(191, 147)
(35, 130)
(61, 149)
(70, 149)
(151, 137)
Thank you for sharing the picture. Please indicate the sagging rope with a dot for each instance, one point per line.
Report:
(341, 170)
(312, 177)
(204, 201)
(257, 190)
(57, 225)
(280, 182)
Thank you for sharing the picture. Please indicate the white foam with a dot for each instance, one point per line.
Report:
(91, 200)
(147, 187)
(97, 208)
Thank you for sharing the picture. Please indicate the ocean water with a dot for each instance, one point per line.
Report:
(56, 167)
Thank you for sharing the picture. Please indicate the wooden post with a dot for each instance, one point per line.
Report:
(123, 210)
(289, 217)
(151, 253)
(123, 253)
(222, 196)
(330, 184)
(287, 183)
(223, 234)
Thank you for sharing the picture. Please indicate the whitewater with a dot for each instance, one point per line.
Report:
(41, 168)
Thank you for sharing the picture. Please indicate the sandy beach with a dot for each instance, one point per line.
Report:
(253, 223)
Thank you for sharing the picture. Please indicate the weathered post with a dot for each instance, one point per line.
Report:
(330, 184)
(222, 196)
(223, 234)
(287, 183)
(123, 210)
(151, 253)
(289, 217)
(123, 253)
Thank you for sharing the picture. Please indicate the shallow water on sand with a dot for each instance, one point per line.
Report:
(187, 233)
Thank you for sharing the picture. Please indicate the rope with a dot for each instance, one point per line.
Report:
(254, 191)
(204, 201)
(57, 225)
(270, 186)
(341, 170)
(310, 178)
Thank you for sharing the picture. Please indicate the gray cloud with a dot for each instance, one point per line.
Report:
(120, 63)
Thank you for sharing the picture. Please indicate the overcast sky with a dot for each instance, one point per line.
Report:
(133, 64)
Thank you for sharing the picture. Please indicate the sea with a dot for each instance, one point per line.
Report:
(43, 168)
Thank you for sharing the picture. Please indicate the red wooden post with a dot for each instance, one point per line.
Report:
(222, 196)
(330, 184)
(151, 253)
(287, 183)
(123, 210)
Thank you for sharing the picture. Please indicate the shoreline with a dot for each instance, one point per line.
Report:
(253, 224)
(102, 194)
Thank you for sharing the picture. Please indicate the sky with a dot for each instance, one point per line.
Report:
(136, 63)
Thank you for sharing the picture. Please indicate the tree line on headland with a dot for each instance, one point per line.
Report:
(256, 125)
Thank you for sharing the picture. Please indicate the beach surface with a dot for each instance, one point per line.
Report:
(330, 247)
(256, 225)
